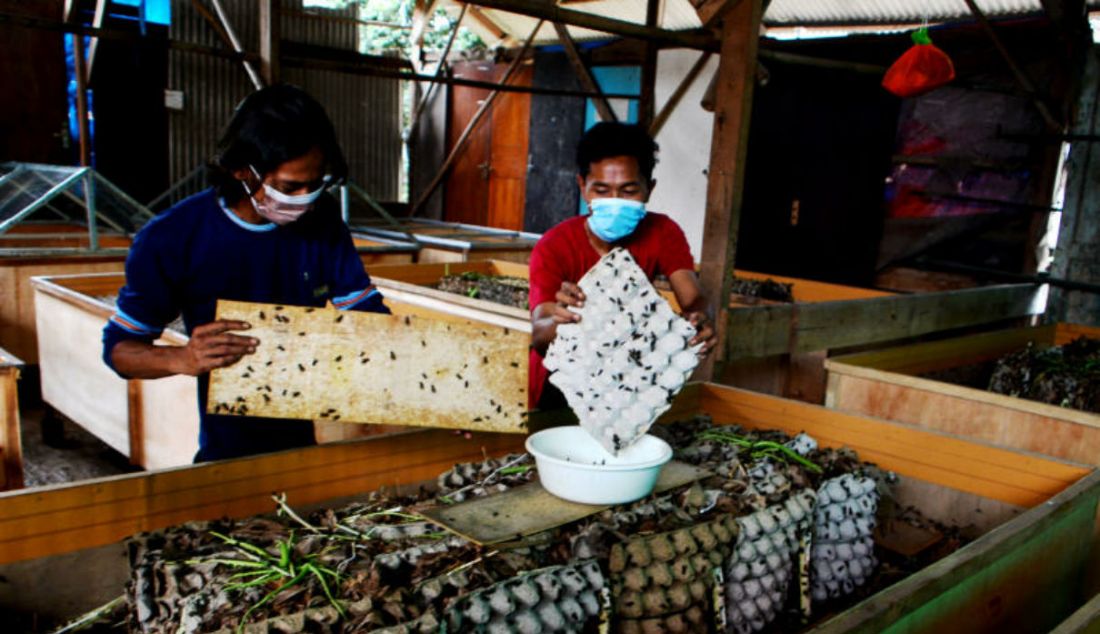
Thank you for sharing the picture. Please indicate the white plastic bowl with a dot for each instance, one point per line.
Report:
(573, 466)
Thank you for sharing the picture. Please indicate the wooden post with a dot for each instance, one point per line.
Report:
(460, 144)
(1079, 235)
(726, 176)
(268, 19)
(647, 108)
(588, 82)
(83, 127)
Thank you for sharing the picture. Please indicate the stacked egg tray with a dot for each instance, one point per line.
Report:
(763, 539)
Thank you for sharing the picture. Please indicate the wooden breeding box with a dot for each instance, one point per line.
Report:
(375, 250)
(887, 383)
(11, 442)
(456, 242)
(1086, 620)
(154, 423)
(59, 550)
(17, 322)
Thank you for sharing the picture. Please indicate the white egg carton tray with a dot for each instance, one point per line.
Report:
(621, 365)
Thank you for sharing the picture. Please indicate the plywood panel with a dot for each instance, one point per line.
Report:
(370, 368)
(17, 316)
(70, 517)
(75, 381)
(930, 407)
(170, 421)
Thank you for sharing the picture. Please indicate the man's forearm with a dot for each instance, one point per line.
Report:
(139, 360)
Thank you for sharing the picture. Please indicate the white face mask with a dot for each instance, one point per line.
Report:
(280, 208)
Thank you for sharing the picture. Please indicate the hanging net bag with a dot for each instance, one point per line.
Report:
(920, 69)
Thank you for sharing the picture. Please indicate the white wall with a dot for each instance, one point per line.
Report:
(685, 146)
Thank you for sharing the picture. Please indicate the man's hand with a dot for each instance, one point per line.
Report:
(705, 333)
(213, 345)
(569, 295)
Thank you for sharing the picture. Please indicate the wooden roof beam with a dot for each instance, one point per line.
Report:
(584, 75)
(700, 40)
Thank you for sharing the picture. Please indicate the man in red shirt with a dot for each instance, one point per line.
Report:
(615, 175)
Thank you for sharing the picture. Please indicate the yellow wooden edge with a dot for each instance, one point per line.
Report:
(451, 298)
(924, 357)
(1065, 333)
(813, 291)
(69, 517)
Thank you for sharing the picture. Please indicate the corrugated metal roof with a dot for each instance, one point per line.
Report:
(809, 12)
(680, 15)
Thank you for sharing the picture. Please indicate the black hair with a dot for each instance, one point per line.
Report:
(270, 127)
(607, 139)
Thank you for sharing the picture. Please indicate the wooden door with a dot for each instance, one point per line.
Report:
(487, 184)
(33, 105)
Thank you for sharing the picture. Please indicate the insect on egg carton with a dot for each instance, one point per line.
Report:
(622, 364)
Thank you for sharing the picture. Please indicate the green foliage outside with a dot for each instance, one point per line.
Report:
(379, 39)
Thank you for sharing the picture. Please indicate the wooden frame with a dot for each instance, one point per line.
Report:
(17, 322)
(18, 332)
(799, 376)
(886, 383)
(1043, 509)
(1086, 620)
(11, 439)
(156, 423)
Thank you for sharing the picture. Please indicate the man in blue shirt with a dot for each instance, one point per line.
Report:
(265, 232)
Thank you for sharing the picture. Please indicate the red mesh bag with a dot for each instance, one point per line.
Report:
(920, 69)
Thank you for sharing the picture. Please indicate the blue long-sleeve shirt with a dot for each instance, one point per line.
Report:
(198, 252)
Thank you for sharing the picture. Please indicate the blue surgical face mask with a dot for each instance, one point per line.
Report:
(613, 219)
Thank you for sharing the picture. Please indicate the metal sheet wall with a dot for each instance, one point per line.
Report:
(366, 111)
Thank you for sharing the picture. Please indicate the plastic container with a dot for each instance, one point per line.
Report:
(573, 466)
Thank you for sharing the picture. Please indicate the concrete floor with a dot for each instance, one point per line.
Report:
(75, 455)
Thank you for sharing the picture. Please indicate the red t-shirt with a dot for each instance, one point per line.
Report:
(564, 254)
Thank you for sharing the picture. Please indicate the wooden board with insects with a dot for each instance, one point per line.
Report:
(330, 365)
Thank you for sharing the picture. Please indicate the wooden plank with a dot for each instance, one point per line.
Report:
(1065, 333)
(267, 18)
(1047, 430)
(584, 75)
(553, 13)
(1086, 620)
(941, 459)
(453, 298)
(726, 175)
(70, 517)
(75, 381)
(18, 331)
(11, 439)
(766, 330)
(529, 509)
(371, 368)
(136, 418)
(1024, 580)
(938, 355)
